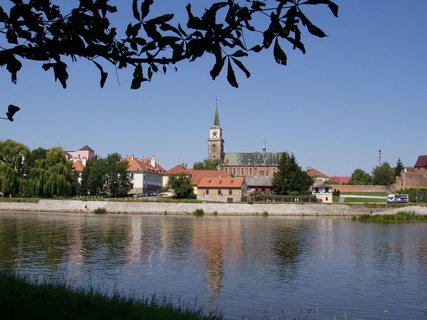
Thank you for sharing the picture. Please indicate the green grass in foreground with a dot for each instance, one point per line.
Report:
(400, 217)
(20, 299)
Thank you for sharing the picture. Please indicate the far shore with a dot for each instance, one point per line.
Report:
(220, 209)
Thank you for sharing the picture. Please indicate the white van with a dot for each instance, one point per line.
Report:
(397, 198)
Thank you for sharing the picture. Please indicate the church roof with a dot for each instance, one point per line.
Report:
(216, 120)
(260, 159)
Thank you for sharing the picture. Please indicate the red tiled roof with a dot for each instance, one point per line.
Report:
(137, 165)
(316, 173)
(421, 162)
(177, 169)
(339, 180)
(78, 166)
(221, 183)
(197, 175)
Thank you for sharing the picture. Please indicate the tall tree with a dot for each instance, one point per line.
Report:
(12, 168)
(51, 176)
(41, 31)
(399, 168)
(117, 181)
(384, 174)
(181, 185)
(360, 177)
(290, 178)
(108, 176)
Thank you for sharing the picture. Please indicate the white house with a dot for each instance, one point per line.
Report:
(146, 174)
(323, 193)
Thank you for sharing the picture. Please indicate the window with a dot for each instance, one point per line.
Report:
(230, 192)
(219, 192)
(207, 191)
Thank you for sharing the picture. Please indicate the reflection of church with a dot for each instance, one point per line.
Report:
(240, 163)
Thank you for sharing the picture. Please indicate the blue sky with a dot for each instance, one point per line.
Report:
(361, 89)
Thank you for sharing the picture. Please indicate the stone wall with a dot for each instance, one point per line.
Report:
(161, 208)
(361, 188)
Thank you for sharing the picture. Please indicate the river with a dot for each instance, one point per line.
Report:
(242, 267)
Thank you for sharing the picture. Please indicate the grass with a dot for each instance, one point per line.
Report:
(22, 299)
(198, 213)
(352, 200)
(400, 217)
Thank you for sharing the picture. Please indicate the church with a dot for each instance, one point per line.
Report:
(240, 164)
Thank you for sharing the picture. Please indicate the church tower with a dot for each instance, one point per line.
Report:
(216, 142)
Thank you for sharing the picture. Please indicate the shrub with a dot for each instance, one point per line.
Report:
(264, 214)
(100, 211)
(215, 213)
(198, 213)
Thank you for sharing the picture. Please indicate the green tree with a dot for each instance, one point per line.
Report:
(51, 176)
(360, 177)
(12, 168)
(206, 164)
(36, 154)
(181, 185)
(384, 174)
(399, 168)
(107, 176)
(41, 31)
(290, 178)
(117, 181)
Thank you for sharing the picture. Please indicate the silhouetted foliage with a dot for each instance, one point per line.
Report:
(41, 31)
(399, 167)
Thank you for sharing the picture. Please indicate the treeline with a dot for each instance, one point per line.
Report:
(47, 173)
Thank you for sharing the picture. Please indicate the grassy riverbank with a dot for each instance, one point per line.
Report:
(400, 217)
(21, 299)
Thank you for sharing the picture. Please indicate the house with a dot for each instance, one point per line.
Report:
(221, 189)
(146, 174)
(318, 177)
(193, 175)
(323, 193)
(85, 154)
(78, 167)
(259, 183)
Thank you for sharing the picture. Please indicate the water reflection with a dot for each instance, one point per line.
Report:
(249, 266)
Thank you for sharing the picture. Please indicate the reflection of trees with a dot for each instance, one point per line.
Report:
(177, 233)
(289, 244)
(24, 242)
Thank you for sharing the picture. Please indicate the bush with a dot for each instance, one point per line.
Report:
(198, 213)
(100, 211)
(264, 214)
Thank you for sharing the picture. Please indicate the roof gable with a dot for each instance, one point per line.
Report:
(421, 162)
(316, 173)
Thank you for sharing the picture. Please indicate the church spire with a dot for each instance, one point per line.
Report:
(216, 120)
(264, 147)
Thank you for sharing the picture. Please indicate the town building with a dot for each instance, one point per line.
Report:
(194, 175)
(84, 155)
(221, 189)
(323, 193)
(146, 174)
(259, 184)
(240, 164)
